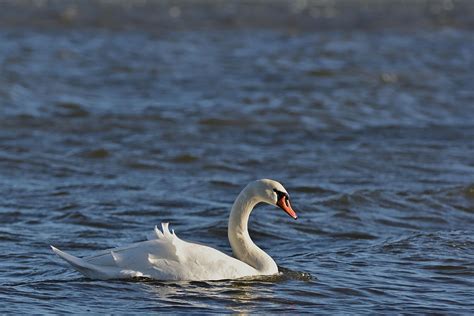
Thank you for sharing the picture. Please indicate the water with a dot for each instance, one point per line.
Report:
(113, 119)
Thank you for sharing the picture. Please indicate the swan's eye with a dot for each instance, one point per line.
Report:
(281, 195)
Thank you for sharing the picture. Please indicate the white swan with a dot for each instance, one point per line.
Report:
(166, 257)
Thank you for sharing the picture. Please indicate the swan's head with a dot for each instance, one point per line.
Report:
(272, 192)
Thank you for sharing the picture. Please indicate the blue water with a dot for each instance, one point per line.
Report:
(114, 119)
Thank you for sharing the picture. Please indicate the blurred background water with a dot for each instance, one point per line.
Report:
(117, 115)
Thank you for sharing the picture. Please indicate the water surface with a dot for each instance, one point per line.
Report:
(112, 120)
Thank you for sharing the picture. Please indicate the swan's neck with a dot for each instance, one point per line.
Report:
(242, 245)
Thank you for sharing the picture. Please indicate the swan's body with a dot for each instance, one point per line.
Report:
(166, 257)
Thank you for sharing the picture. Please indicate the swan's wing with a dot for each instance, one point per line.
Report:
(159, 243)
(170, 258)
(166, 257)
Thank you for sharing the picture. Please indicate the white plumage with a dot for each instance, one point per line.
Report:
(166, 257)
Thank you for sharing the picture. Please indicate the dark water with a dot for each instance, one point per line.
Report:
(113, 120)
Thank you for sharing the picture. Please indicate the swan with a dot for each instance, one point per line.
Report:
(166, 257)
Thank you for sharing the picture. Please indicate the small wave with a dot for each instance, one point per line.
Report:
(142, 165)
(184, 158)
(223, 122)
(222, 167)
(70, 109)
(60, 193)
(78, 218)
(99, 153)
(224, 184)
(426, 219)
(354, 235)
(393, 223)
(311, 189)
(451, 240)
(4, 236)
(348, 291)
(446, 268)
(68, 206)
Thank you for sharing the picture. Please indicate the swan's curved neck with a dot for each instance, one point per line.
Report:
(242, 245)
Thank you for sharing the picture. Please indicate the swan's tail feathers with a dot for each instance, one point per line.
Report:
(89, 270)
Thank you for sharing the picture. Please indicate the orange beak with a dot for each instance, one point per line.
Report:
(284, 204)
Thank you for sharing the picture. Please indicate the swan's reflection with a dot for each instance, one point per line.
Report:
(238, 296)
(242, 296)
